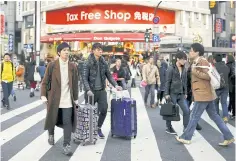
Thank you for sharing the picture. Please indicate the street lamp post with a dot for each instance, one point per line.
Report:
(37, 30)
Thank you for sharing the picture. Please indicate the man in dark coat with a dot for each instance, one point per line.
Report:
(95, 73)
(60, 92)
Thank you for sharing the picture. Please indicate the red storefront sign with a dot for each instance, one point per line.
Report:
(2, 27)
(96, 37)
(108, 14)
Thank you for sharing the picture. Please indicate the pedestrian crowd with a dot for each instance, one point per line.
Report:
(186, 84)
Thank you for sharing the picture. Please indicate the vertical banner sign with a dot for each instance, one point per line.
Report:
(19, 8)
(10, 42)
(2, 23)
(219, 25)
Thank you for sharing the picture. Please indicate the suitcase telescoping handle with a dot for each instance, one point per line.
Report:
(89, 100)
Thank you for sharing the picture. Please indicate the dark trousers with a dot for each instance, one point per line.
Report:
(160, 95)
(100, 97)
(67, 125)
(231, 106)
(7, 89)
(133, 84)
(80, 84)
(180, 100)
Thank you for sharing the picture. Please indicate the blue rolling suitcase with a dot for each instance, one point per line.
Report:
(124, 118)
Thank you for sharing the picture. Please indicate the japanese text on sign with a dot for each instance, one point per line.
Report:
(110, 14)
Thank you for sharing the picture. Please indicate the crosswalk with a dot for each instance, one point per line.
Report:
(22, 138)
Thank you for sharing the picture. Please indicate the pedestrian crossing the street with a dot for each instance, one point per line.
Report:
(23, 137)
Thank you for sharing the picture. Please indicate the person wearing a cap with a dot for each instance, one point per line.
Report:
(62, 96)
(94, 75)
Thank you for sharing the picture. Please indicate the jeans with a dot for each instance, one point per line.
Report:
(13, 93)
(222, 94)
(7, 89)
(196, 114)
(180, 100)
(67, 125)
(100, 97)
(150, 88)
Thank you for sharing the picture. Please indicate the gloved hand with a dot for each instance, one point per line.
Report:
(90, 93)
(119, 88)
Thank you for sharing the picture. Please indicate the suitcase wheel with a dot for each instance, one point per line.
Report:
(83, 144)
(134, 136)
(112, 135)
(94, 142)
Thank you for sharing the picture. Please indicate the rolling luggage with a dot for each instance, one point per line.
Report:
(87, 119)
(123, 118)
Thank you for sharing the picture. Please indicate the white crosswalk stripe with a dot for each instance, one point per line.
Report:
(144, 148)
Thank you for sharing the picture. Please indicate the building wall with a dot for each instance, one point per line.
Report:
(9, 12)
(228, 15)
(192, 17)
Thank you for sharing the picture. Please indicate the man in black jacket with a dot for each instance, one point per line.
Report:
(95, 73)
(176, 88)
(223, 92)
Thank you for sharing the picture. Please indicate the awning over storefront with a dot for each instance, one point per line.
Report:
(96, 37)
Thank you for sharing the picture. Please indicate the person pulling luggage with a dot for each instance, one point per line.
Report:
(95, 73)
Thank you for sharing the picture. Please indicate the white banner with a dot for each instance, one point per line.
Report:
(19, 9)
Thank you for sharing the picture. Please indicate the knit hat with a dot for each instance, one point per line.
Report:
(62, 46)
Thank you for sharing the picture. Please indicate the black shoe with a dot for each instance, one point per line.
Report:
(100, 134)
(14, 97)
(170, 130)
(31, 94)
(198, 127)
(3, 102)
(51, 140)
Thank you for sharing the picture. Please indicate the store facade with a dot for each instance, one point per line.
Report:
(118, 22)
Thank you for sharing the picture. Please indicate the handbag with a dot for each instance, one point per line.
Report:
(169, 109)
(37, 76)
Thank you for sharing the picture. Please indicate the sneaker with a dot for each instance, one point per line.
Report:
(100, 134)
(182, 140)
(67, 150)
(153, 106)
(51, 140)
(7, 107)
(170, 130)
(227, 142)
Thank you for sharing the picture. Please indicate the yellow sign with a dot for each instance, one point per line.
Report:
(212, 4)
